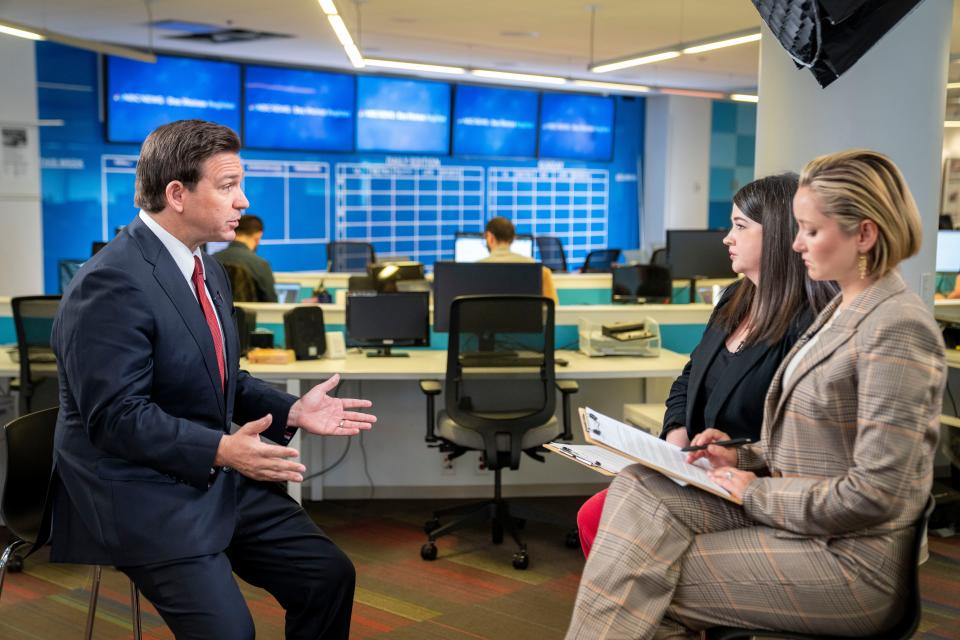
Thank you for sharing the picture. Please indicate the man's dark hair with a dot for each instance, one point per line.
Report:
(502, 229)
(249, 224)
(177, 151)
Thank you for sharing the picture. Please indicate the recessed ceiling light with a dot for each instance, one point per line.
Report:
(518, 77)
(520, 34)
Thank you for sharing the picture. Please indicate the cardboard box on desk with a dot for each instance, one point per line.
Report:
(271, 356)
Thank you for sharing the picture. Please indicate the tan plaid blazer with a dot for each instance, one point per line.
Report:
(849, 441)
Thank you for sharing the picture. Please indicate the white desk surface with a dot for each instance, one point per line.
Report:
(432, 364)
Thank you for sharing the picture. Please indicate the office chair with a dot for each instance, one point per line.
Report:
(600, 261)
(659, 257)
(25, 507)
(551, 253)
(903, 629)
(33, 321)
(500, 400)
(349, 256)
(242, 285)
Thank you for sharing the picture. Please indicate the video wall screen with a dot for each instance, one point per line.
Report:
(490, 121)
(142, 96)
(297, 109)
(400, 115)
(576, 127)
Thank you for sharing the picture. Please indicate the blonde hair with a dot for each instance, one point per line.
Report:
(859, 184)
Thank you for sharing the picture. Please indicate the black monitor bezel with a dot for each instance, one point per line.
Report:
(422, 341)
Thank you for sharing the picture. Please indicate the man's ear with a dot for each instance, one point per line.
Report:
(175, 193)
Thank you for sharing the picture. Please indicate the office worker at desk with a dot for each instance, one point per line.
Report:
(844, 467)
(756, 322)
(242, 251)
(148, 476)
(499, 234)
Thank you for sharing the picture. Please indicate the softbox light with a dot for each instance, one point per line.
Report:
(829, 36)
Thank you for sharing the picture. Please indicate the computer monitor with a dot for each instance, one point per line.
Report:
(287, 292)
(471, 246)
(215, 247)
(454, 279)
(948, 251)
(386, 320)
(641, 283)
(698, 253)
(387, 275)
(66, 270)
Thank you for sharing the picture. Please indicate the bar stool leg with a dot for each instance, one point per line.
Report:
(92, 608)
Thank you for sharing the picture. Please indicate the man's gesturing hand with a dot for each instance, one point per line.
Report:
(318, 413)
(244, 451)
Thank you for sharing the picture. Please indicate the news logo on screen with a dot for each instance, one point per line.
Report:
(298, 109)
(400, 115)
(490, 121)
(141, 96)
(576, 127)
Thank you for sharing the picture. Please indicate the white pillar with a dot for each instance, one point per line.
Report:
(892, 100)
(21, 261)
(677, 167)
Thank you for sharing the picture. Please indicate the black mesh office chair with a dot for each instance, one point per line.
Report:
(659, 257)
(903, 629)
(500, 399)
(25, 506)
(600, 261)
(642, 283)
(346, 256)
(551, 253)
(33, 321)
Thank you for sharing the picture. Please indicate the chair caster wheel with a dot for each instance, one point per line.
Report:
(431, 525)
(572, 540)
(428, 551)
(521, 560)
(15, 564)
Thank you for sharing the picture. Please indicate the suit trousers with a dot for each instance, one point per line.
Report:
(275, 546)
(670, 560)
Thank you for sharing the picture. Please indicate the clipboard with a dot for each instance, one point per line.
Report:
(595, 458)
(650, 451)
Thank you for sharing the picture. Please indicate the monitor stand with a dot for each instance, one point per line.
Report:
(385, 352)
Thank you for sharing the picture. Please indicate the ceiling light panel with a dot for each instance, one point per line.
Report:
(635, 62)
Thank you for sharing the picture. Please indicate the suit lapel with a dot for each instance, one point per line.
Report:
(171, 280)
(841, 330)
(218, 291)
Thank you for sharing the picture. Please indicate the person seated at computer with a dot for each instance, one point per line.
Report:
(241, 252)
(821, 543)
(499, 234)
(752, 328)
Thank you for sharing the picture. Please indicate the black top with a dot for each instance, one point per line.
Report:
(727, 392)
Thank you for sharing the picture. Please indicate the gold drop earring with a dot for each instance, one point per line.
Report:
(862, 265)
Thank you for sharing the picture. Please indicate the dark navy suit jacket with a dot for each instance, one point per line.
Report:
(142, 410)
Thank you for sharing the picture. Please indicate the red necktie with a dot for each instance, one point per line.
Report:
(208, 314)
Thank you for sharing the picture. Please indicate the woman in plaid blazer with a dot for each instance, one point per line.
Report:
(843, 469)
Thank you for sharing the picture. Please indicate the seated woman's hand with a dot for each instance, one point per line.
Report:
(733, 480)
(678, 437)
(716, 456)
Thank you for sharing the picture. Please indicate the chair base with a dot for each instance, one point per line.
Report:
(503, 518)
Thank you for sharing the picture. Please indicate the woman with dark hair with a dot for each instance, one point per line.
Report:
(754, 325)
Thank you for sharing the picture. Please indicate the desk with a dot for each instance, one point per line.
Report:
(394, 454)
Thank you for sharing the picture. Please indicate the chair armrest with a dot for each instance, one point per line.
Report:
(431, 388)
(567, 388)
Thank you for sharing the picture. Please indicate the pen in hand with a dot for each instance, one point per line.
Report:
(735, 442)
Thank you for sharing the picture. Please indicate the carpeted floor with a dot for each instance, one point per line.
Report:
(471, 591)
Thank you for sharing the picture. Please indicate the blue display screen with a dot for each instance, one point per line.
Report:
(576, 127)
(394, 114)
(143, 96)
(495, 122)
(294, 109)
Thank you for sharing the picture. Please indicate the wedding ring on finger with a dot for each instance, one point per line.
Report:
(340, 426)
(729, 475)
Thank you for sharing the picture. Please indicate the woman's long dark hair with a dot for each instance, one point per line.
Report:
(784, 289)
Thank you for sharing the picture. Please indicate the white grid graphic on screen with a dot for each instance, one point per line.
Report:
(571, 204)
(407, 210)
(305, 193)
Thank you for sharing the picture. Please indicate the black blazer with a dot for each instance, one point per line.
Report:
(736, 404)
(142, 411)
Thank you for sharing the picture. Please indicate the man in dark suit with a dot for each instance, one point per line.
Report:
(148, 476)
(241, 252)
